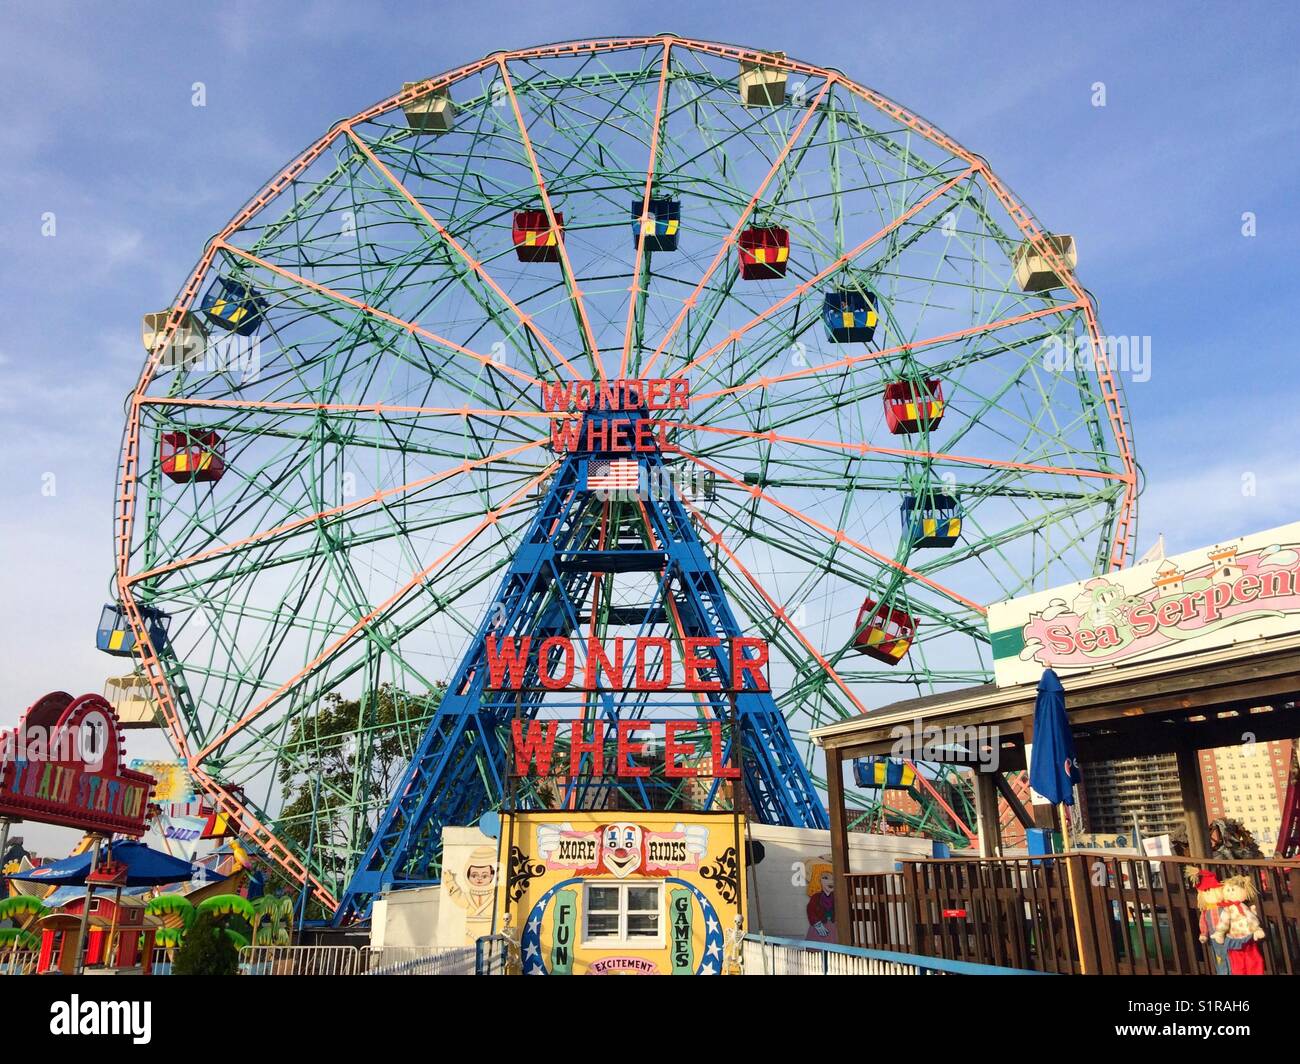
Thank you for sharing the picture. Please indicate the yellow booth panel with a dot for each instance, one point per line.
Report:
(609, 893)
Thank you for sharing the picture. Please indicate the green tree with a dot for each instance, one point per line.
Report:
(347, 757)
(206, 949)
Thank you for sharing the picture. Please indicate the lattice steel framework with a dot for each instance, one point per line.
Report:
(385, 439)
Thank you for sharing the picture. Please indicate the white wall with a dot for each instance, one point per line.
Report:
(778, 893)
(405, 918)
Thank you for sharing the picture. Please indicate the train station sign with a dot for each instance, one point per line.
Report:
(1233, 592)
(64, 764)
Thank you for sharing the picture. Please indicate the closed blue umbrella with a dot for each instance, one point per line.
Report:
(1053, 768)
(145, 867)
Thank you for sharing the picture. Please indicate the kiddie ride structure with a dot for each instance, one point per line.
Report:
(644, 340)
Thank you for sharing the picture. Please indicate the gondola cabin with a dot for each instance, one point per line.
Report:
(762, 85)
(535, 240)
(883, 772)
(431, 113)
(115, 635)
(912, 406)
(849, 316)
(183, 348)
(1035, 271)
(234, 306)
(132, 700)
(884, 633)
(931, 520)
(764, 252)
(194, 456)
(659, 224)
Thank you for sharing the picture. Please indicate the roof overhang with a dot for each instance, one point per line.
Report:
(1216, 685)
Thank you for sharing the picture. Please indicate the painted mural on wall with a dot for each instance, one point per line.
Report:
(467, 893)
(473, 890)
(1235, 591)
(819, 882)
(591, 895)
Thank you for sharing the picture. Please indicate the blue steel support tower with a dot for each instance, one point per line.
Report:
(579, 533)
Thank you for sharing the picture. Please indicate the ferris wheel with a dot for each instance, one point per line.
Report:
(896, 406)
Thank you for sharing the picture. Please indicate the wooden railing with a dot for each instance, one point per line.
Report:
(1135, 915)
(1149, 909)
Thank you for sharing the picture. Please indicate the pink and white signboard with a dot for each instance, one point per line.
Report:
(1243, 589)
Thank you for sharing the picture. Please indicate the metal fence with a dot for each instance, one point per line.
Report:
(761, 955)
(450, 960)
(300, 960)
(368, 960)
(18, 962)
(496, 955)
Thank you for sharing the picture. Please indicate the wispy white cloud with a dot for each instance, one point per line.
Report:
(1202, 504)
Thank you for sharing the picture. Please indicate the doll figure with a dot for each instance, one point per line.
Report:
(1238, 928)
(1209, 901)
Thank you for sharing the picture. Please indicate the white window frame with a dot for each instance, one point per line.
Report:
(622, 941)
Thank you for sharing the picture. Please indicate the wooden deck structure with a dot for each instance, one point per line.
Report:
(1246, 691)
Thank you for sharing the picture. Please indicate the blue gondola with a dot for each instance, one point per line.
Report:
(661, 224)
(234, 306)
(934, 521)
(115, 635)
(849, 316)
(887, 772)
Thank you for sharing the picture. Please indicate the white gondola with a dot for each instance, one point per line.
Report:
(431, 113)
(1034, 273)
(762, 85)
(132, 699)
(187, 343)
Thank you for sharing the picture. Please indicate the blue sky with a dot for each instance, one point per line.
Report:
(1201, 124)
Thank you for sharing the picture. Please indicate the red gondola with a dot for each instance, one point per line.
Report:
(886, 634)
(910, 407)
(198, 456)
(535, 240)
(764, 252)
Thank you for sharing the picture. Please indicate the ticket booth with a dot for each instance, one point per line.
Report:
(622, 893)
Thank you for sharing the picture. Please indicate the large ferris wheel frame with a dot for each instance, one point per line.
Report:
(1116, 469)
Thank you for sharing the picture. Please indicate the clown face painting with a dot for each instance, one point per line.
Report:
(620, 849)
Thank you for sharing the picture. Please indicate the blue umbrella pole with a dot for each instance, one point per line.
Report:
(85, 909)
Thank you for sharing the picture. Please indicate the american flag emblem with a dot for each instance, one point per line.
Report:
(618, 474)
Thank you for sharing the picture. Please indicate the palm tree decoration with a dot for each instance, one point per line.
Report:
(168, 937)
(175, 911)
(178, 914)
(272, 914)
(24, 911)
(220, 905)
